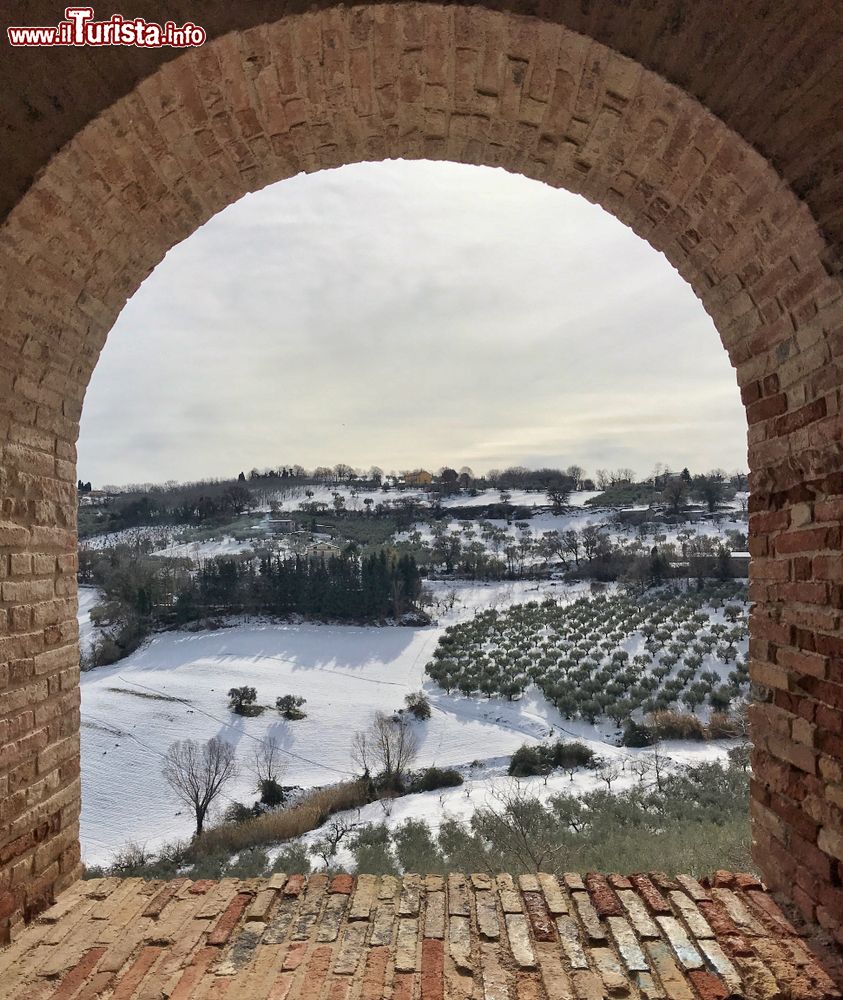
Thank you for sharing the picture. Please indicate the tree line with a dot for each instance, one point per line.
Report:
(142, 593)
(347, 587)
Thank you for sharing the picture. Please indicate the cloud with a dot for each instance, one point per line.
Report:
(410, 314)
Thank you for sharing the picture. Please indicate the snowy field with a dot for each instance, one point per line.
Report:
(175, 688)
(292, 498)
(576, 520)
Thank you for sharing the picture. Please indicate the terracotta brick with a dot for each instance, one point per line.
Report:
(539, 916)
(432, 970)
(221, 931)
(709, 986)
(343, 884)
(374, 974)
(650, 894)
(71, 983)
(605, 901)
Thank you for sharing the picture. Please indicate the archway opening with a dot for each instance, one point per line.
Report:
(315, 347)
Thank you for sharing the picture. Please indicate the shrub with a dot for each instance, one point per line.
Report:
(418, 705)
(283, 824)
(237, 812)
(671, 725)
(722, 726)
(131, 858)
(636, 734)
(292, 859)
(103, 652)
(250, 863)
(271, 793)
(527, 761)
(570, 756)
(123, 637)
(435, 777)
(289, 705)
(542, 758)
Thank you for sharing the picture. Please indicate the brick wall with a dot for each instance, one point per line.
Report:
(321, 89)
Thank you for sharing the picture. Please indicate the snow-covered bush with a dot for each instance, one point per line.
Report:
(418, 705)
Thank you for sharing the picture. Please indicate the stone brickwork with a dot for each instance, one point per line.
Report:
(535, 937)
(329, 87)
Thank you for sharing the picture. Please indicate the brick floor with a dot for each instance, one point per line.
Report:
(419, 938)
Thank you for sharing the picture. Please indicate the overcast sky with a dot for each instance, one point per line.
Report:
(405, 315)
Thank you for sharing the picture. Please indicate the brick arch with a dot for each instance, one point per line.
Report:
(320, 89)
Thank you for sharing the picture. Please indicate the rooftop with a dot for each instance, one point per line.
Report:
(536, 937)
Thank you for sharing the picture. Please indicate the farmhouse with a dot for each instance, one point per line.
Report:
(419, 477)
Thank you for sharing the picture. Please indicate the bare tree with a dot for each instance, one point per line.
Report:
(641, 767)
(268, 768)
(608, 772)
(576, 473)
(387, 748)
(660, 764)
(571, 544)
(197, 773)
(327, 845)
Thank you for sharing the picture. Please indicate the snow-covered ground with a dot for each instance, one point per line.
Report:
(88, 598)
(518, 498)
(175, 688)
(209, 549)
(156, 534)
(577, 520)
(292, 498)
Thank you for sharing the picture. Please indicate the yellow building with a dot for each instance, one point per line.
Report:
(419, 477)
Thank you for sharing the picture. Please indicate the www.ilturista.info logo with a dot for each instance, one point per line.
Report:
(80, 28)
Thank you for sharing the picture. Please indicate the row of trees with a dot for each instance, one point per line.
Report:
(212, 502)
(711, 489)
(694, 820)
(346, 587)
(143, 592)
(577, 654)
(487, 551)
